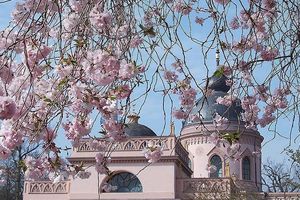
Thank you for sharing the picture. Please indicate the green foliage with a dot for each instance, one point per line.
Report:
(219, 72)
(231, 137)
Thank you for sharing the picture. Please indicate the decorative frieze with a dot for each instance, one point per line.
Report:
(205, 188)
(133, 144)
(46, 187)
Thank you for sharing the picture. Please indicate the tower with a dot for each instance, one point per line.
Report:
(196, 136)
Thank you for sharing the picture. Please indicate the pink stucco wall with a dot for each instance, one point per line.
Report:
(195, 138)
(170, 177)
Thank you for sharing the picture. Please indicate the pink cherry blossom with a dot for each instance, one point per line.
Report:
(83, 174)
(199, 20)
(12, 138)
(269, 54)
(58, 178)
(211, 168)
(7, 37)
(180, 114)
(77, 129)
(261, 91)
(7, 107)
(98, 145)
(136, 41)
(223, 2)
(49, 135)
(6, 73)
(115, 130)
(108, 188)
(178, 65)
(78, 5)
(101, 164)
(229, 82)
(227, 71)
(188, 97)
(68, 64)
(219, 120)
(128, 70)
(234, 24)
(4, 151)
(269, 4)
(79, 106)
(121, 92)
(247, 77)
(227, 100)
(100, 20)
(233, 149)
(215, 138)
(36, 168)
(251, 111)
(71, 21)
(170, 76)
(64, 71)
(101, 67)
(182, 7)
(244, 66)
(153, 152)
(194, 118)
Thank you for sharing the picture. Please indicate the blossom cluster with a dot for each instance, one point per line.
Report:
(70, 68)
(153, 152)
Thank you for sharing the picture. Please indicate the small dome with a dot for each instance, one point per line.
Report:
(133, 128)
(207, 107)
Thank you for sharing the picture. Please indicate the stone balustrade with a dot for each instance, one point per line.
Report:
(188, 188)
(170, 146)
(223, 189)
(281, 196)
(132, 144)
(205, 188)
(46, 187)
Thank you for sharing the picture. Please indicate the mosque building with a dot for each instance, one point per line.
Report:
(182, 172)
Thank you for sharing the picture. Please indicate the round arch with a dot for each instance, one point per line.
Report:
(246, 168)
(218, 163)
(123, 181)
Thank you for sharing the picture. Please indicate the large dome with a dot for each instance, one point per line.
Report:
(206, 107)
(133, 128)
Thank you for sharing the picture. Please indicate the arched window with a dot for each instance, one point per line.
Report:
(246, 170)
(217, 162)
(125, 182)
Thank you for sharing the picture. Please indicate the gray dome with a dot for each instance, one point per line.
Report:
(133, 128)
(207, 107)
(218, 83)
(136, 129)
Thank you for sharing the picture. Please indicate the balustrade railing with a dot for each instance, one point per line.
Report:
(46, 187)
(205, 188)
(133, 144)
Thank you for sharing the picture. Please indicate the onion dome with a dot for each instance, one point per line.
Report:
(134, 129)
(207, 107)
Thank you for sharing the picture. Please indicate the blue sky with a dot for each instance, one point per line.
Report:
(152, 116)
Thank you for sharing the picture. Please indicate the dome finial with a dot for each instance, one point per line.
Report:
(218, 57)
(133, 118)
(172, 129)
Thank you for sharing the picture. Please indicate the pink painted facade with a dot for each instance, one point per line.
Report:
(195, 138)
(180, 174)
